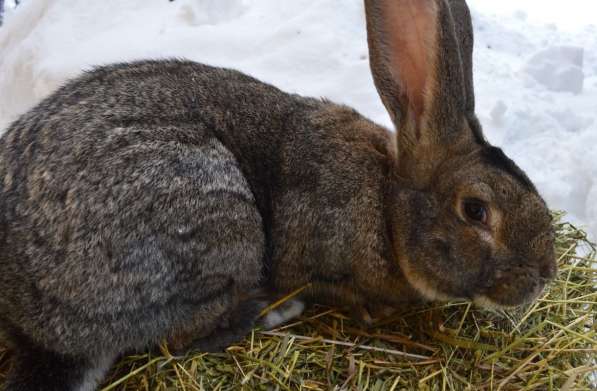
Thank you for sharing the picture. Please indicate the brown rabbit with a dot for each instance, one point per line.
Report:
(444, 215)
(148, 201)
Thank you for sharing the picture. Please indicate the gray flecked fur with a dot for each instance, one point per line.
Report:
(124, 219)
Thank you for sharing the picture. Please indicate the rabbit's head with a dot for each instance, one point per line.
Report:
(478, 229)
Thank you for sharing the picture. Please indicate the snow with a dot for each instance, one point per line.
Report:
(535, 66)
(558, 68)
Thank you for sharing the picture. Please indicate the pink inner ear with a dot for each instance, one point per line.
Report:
(412, 35)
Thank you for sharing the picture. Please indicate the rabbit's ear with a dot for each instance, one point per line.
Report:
(463, 25)
(419, 72)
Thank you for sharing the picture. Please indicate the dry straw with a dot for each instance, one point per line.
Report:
(550, 345)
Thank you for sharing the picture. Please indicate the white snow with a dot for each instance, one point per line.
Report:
(535, 65)
(558, 68)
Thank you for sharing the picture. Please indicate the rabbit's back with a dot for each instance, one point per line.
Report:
(123, 215)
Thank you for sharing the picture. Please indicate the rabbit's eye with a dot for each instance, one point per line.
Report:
(475, 211)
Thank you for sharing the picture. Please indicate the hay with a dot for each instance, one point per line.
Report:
(550, 345)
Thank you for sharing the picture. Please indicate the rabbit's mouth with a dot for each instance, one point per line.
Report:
(508, 294)
(517, 283)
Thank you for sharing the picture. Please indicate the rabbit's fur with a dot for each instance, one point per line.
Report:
(151, 200)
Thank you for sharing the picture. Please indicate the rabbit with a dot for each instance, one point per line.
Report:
(164, 199)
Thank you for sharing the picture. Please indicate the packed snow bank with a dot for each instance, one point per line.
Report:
(558, 68)
(535, 65)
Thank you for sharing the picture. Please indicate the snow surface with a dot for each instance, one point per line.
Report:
(535, 65)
